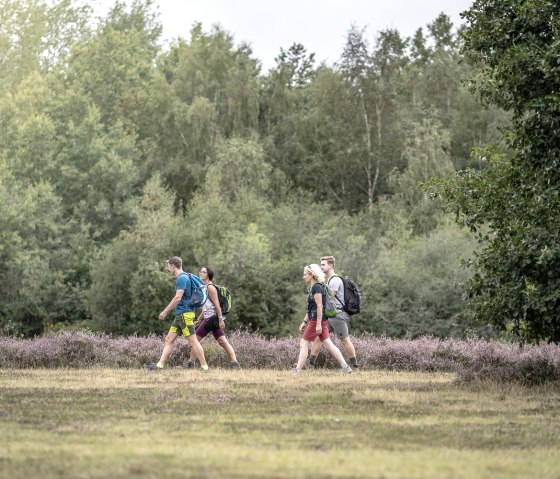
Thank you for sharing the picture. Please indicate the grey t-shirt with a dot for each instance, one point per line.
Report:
(337, 287)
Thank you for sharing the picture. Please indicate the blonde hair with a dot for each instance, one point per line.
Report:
(315, 271)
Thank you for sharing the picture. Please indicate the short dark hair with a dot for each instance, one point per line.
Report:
(209, 273)
(175, 261)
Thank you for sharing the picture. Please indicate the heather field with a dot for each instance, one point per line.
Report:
(80, 405)
(470, 360)
(264, 423)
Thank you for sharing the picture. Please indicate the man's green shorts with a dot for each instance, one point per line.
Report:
(183, 322)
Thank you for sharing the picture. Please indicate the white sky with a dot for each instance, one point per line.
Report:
(320, 25)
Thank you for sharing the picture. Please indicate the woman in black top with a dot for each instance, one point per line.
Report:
(314, 327)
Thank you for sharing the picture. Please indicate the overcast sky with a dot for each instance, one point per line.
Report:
(320, 25)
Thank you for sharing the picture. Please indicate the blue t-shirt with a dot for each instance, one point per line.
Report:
(312, 305)
(183, 282)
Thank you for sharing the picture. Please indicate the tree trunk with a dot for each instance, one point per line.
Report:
(368, 167)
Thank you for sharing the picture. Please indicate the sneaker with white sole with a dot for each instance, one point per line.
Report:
(346, 369)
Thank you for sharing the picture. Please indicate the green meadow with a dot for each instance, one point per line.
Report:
(113, 423)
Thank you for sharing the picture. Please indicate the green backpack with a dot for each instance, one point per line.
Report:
(224, 297)
(330, 306)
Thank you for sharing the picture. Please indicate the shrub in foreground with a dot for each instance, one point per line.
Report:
(470, 359)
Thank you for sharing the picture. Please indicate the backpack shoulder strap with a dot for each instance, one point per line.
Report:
(335, 296)
(333, 276)
(184, 273)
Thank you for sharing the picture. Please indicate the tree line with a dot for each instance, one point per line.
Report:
(117, 152)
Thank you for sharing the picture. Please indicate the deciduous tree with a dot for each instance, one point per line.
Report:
(516, 285)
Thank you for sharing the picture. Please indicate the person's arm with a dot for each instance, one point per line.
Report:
(174, 302)
(318, 297)
(339, 285)
(333, 280)
(213, 295)
(304, 323)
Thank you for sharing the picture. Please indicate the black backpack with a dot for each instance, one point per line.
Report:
(352, 296)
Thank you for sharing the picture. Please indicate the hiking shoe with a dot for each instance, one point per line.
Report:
(234, 365)
(346, 369)
(202, 370)
(151, 367)
(189, 364)
(295, 370)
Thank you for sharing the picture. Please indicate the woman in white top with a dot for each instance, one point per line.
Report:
(211, 319)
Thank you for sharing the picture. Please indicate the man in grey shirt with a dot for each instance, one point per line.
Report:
(339, 323)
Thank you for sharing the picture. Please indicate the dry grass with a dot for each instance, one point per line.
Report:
(263, 423)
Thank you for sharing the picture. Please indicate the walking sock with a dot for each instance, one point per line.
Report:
(205, 367)
(159, 365)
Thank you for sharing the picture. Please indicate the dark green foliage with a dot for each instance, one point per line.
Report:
(130, 282)
(414, 287)
(516, 285)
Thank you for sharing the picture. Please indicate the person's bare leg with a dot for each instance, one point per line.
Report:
(224, 343)
(198, 351)
(168, 348)
(331, 348)
(315, 349)
(192, 357)
(349, 349)
(303, 348)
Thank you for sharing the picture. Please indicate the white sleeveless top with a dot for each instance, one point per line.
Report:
(208, 309)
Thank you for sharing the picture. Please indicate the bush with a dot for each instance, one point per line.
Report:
(413, 288)
(470, 359)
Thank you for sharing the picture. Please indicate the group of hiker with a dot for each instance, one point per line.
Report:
(330, 301)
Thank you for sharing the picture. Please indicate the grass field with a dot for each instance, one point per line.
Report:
(116, 423)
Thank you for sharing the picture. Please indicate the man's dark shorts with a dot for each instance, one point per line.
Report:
(183, 322)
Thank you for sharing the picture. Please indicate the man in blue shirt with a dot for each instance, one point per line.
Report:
(184, 317)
